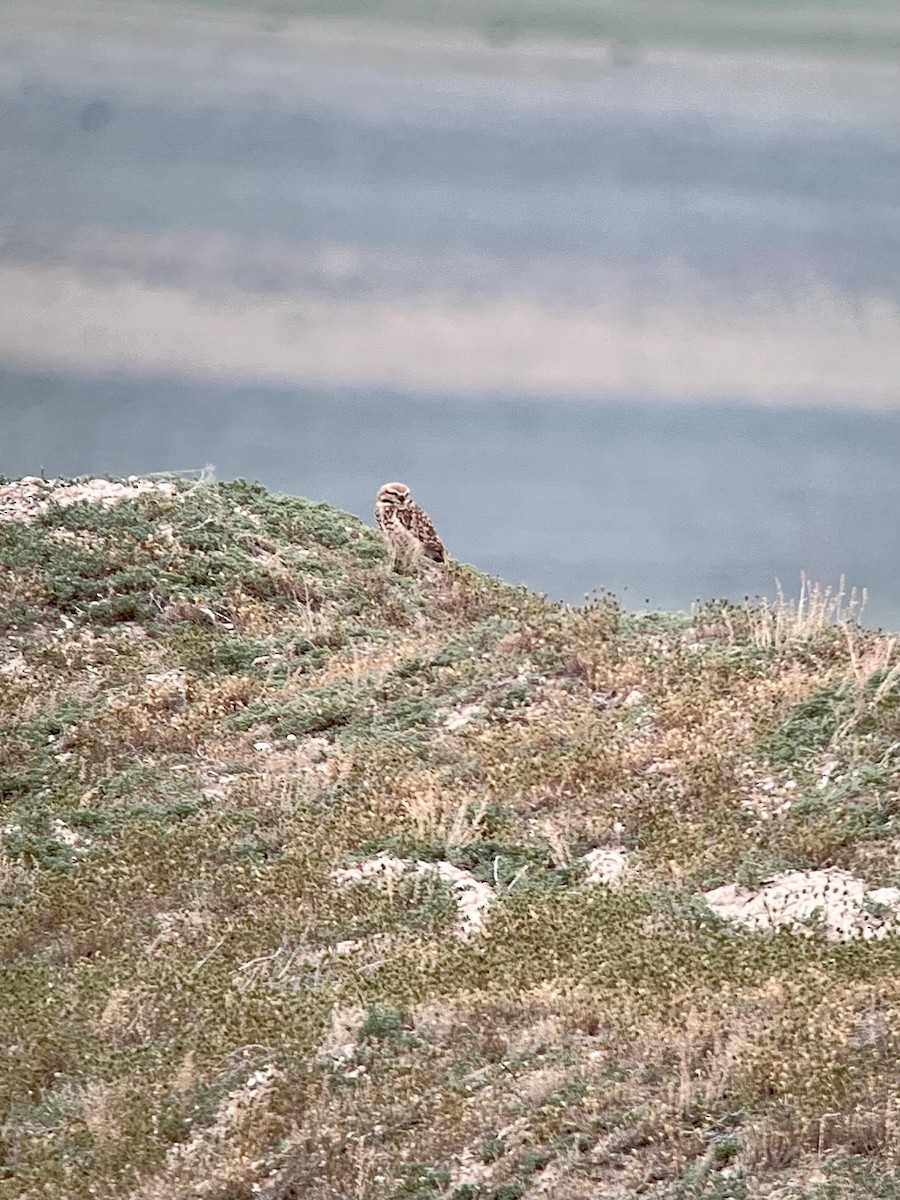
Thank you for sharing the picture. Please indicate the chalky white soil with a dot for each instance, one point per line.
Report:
(835, 899)
(27, 499)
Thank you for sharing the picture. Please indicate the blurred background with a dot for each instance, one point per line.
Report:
(614, 285)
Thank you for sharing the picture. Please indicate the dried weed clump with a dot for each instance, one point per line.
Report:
(220, 707)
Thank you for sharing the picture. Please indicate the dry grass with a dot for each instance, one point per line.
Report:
(777, 624)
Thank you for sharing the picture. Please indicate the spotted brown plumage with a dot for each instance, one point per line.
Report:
(407, 529)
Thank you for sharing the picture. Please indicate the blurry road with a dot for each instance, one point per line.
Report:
(323, 255)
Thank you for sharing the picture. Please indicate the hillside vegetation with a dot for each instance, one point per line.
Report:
(322, 880)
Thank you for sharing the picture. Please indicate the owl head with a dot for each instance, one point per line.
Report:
(395, 494)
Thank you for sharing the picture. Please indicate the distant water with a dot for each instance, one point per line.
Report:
(662, 504)
(320, 258)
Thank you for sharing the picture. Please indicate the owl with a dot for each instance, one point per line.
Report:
(407, 529)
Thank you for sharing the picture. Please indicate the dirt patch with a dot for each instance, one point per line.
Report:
(472, 897)
(804, 900)
(29, 498)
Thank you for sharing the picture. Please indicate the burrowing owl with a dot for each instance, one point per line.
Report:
(407, 528)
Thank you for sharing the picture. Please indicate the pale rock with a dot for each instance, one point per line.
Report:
(460, 717)
(606, 865)
(796, 898)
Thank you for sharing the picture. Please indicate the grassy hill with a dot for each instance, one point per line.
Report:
(322, 880)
